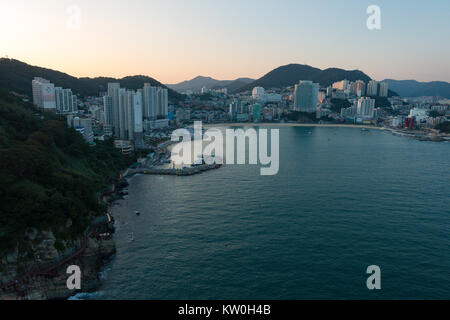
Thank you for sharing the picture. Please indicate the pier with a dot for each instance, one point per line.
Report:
(187, 171)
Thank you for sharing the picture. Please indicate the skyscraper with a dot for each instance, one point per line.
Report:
(137, 126)
(43, 94)
(366, 107)
(235, 107)
(113, 92)
(149, 102)
(306, 96)
(383, 92)
(162, 102)
(258, 93)
(341, 85)
(123, 114)
(74, 107)
(129, 115)
(372, 88)
(256, 111)
(360, 88)
(107, 109)
(66, 102)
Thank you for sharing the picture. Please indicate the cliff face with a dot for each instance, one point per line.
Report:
(53, 284)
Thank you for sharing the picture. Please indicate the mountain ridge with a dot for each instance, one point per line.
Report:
(197, 83)
(291, 74)
(16, 76)
(414, 88)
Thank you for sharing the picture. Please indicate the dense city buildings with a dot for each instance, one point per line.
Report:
(134, 117)
(130, 112)
(54, 99)
(375, 88)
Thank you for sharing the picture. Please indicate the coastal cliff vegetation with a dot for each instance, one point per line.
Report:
(49, 176)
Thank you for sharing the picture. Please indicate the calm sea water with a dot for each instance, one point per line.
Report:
(344, 199)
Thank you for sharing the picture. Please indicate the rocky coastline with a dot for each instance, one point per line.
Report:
(44, 277)
(53, 286)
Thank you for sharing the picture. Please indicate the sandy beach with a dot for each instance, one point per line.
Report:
(289, 124)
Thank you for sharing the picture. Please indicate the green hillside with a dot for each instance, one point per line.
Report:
(48, 174)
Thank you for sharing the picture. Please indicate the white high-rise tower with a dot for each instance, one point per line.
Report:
(43, 94)
(306, 96)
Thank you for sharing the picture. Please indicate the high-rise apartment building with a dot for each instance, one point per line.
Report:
(372, 88)
(360, 88)
(149, 102)
(113, 92)
(43, 94)
(365, 108)
(306, 96)
(256, 112)
(107, 109)
(258, 93)
(383, 92)
(341, 85)
(123, 114)
(162, 102)
(138, 130)
(66, 102)
(125, 110)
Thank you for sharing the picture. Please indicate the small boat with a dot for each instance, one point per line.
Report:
(138, 213)
(131, 237)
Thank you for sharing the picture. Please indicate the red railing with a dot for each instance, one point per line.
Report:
(19, 283)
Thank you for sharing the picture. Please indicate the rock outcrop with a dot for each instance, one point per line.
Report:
(54, 284)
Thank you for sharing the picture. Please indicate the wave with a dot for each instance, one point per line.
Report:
(87, 295)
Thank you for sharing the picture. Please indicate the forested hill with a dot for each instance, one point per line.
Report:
(48, 174)
(17, 76)
(291, 74)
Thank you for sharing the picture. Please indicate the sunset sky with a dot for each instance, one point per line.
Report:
(174, 41)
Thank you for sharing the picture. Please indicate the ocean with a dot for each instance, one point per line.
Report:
(343, 199)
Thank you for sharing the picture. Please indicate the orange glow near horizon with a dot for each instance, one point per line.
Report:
(173, 41)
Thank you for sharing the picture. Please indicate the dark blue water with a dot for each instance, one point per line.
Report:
(344, 199)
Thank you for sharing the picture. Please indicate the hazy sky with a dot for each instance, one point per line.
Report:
(178, 40)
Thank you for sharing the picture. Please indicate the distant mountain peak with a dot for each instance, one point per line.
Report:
(290, 74)
(197, 83)
(203, 78)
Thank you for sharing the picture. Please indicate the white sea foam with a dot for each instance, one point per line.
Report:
(86, 295)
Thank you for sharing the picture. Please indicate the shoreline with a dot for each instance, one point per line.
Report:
(418, 135)
(290, 124)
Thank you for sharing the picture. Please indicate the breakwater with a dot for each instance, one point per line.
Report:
(187, 171)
